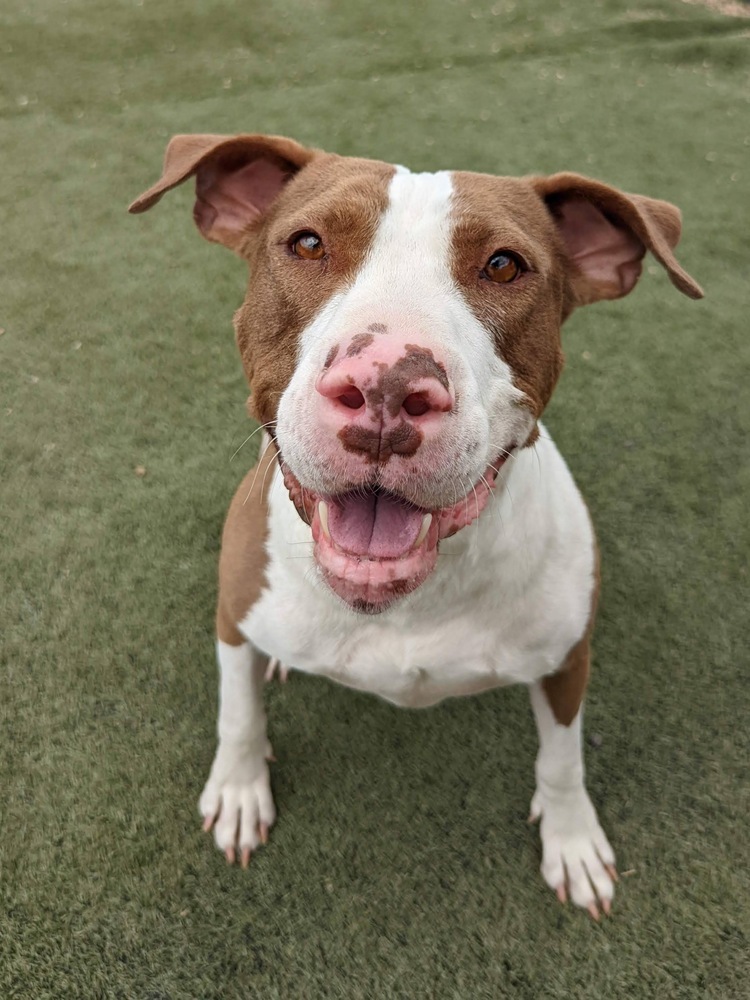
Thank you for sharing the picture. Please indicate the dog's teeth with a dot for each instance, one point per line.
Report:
(323, 515)
(426, 522)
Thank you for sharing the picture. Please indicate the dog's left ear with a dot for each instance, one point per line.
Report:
(607, 233)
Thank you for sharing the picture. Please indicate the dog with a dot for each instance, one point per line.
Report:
(401, 336)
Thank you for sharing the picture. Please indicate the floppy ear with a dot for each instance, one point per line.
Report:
(607, 233)
(236, 179)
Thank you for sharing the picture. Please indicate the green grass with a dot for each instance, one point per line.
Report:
(401, 865)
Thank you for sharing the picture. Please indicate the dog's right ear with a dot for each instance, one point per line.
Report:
(236, 179)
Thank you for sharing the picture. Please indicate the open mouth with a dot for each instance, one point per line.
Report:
(373, 546)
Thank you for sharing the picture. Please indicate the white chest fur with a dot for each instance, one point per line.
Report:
(509, 597)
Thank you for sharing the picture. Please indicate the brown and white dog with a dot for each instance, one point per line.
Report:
(401, 334)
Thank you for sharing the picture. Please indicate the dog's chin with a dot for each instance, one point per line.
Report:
(373, 546)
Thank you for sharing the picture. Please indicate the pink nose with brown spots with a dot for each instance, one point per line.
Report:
(384, 396)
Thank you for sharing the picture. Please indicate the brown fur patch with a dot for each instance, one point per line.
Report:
(524, 317)
(566, 687)
(420, 363)
(377, 328)
(404, 439)
(340, 198)
(242, 565)
(394, 381)
(358, 344)
(331, 357)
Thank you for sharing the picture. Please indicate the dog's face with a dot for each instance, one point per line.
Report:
(401, 332)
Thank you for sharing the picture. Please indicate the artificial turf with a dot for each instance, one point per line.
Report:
(402, 865)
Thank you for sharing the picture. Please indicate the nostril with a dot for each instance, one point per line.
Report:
(415, 404)
(352, 398)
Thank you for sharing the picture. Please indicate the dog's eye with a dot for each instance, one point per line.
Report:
(308, 246)
(503, 266)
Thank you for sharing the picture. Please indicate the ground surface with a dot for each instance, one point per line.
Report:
(402, 865)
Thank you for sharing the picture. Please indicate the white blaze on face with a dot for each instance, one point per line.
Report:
(407, 270)
(406, 284)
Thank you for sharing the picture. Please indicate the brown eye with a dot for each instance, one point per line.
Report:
(309, 246)
(503, 267)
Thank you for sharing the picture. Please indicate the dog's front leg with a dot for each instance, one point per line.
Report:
(237, 800)
(577, 859)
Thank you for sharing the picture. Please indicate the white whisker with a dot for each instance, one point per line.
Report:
(260, 427)
(276, 469)
(257, 470)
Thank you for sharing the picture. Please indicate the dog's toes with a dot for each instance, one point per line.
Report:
(237, 805)
(209, 806)
(577, 860)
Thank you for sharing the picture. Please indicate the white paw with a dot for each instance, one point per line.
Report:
(237, 802)
(577, 860)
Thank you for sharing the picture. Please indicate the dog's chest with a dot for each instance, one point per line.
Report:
(415, 670)
(408, 663)
(510, 596)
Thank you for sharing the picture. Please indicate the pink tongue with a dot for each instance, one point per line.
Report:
(377, 526)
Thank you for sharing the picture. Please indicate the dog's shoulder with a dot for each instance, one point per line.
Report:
(244, 557)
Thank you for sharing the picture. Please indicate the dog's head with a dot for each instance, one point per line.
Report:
(401, 332)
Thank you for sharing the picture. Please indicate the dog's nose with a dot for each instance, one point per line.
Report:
(363, 387)
(384, 398)
(409, 380)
